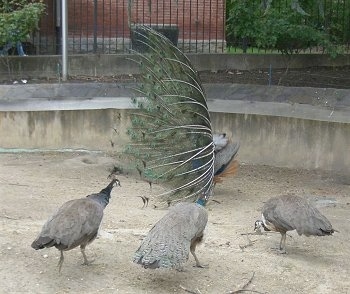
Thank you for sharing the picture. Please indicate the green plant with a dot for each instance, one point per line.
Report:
(291, 32)
(282, 25)
(243, 17)
(18, 18)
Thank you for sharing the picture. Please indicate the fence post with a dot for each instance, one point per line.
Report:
(64, 40)
(95, 26)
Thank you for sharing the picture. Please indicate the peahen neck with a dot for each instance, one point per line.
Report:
(104, 195)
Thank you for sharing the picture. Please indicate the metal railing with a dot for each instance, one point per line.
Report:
(103, 26)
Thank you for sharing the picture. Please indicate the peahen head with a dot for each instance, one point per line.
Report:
(258, 225)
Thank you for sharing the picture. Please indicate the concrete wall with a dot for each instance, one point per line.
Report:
(96, 129)
(285, 133)
(276, 141)
(287, 141)
(48, 67)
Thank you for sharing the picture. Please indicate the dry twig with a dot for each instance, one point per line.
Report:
(243, 288)
(190, 291)
(8, 217)
(250, 243)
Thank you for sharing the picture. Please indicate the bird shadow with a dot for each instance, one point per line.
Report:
(171, 280)
(308, 255)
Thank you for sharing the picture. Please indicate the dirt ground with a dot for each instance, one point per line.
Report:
(33, 186)
(318, 77)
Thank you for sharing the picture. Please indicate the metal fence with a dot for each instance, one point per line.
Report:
(103, 26)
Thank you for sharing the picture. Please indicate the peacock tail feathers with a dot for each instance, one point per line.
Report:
(170, 135)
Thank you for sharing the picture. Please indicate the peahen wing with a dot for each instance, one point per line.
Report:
(291, 212)
(76, 222)
(168, 243)
(171, 134)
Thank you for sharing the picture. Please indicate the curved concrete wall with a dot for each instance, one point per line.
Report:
(96, 129)
(287, 141)
(275, 133)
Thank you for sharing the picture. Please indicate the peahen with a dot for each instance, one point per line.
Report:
(290, 212)
(172, 143)
(76, 223)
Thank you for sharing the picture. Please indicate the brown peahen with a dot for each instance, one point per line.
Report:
(76, 223)
(172, 144)
(291, 212)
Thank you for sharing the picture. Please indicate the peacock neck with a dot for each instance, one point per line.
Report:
(201, 202)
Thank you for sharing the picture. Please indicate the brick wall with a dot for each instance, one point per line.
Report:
(201, 18)
(200, 22)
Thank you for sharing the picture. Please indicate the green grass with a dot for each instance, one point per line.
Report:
(251, 50)
(342, 49)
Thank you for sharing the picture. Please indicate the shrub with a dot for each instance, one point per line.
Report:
(279, 25)
(18, 19)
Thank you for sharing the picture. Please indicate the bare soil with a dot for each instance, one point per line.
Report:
(318, 77)
(33, 186)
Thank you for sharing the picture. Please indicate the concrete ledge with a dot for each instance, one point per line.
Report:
(302, 111)
(39, 104)
(307, 103)
(48, 66)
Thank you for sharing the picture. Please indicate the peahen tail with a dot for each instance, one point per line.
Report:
(171, 133)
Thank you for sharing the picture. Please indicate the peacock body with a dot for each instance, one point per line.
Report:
(172, 143)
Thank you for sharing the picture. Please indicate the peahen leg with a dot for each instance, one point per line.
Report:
(283, 243)
(60, 262)
(86, 261)
(193, 249)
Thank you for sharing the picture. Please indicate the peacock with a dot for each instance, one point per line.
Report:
(225, 153)
(172, 143)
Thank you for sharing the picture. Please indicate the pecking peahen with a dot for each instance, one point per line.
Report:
(290, 212)
(172, 144)
(76, 223)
